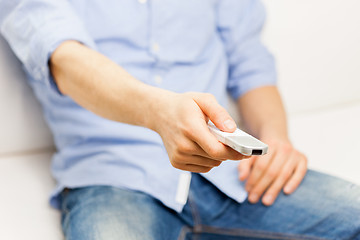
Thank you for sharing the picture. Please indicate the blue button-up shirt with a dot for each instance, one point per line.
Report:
(204, 45)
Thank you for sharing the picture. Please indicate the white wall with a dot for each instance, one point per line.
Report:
(317, 47)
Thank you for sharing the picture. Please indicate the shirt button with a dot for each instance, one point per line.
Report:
(155, 47)
(142, 1)
(158, 79)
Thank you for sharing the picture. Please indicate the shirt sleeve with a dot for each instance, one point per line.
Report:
(251, 65)
(35, 28)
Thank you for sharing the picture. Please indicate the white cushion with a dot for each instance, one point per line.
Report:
(25, 187)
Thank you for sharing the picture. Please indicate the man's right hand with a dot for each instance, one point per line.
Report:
(181, 120)
(109, 91)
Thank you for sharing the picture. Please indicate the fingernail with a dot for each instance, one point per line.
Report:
(229, 124)
(253, 198)
(287, 189)
(268, 199)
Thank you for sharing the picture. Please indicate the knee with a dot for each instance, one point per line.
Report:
(105, 226)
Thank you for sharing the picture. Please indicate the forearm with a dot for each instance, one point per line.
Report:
(263, 113)
(101, 86)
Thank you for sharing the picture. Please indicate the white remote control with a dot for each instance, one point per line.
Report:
(239, 141)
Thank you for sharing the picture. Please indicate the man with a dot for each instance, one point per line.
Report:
(127, 88)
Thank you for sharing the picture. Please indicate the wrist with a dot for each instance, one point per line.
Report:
(157, 107)
(274, 133)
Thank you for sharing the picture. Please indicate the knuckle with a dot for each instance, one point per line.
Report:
(261, 166)
(176, 156)
(285, 175)
(215, 153)
(250, 185)
(188, 130)
(184, 147)
(177, 165)
(271, 173)
(287, 148)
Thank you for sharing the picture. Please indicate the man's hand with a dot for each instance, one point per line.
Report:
(181, 120)
(282, 168)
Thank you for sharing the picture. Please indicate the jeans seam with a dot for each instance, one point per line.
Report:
(194, 211)
(184, 231)
(253, 233)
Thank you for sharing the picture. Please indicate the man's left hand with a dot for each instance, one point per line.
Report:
(283, 167)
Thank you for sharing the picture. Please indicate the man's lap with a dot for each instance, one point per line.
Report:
(104, 212)
(323, 206)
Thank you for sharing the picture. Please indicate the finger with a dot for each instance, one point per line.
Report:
(190, 148)
(208, 142)
(268, 177)
(230, 154)
(217, 114)
(244, 167)
(275, 188)
(259, 167)
(193, 168)
(201, 161)
(297, 177)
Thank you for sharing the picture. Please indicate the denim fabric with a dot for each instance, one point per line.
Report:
(323, 207)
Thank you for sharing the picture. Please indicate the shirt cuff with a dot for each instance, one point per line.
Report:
(245, 85)
(47, 40)
(253, 74)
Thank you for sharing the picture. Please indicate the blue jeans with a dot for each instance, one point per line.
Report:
(323, 207)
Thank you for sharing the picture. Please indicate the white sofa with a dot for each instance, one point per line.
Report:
(26, 147)
(321, 92)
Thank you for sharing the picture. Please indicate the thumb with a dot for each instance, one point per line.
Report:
(215, 112)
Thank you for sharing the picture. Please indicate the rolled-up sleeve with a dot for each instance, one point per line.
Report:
(250, 64)
(35, 28)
